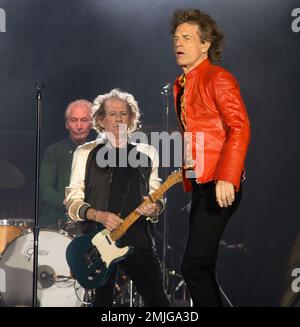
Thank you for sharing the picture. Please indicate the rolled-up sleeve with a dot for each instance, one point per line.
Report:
(154, 180)
(75, 192)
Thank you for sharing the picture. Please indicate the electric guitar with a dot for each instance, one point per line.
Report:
(92, 256)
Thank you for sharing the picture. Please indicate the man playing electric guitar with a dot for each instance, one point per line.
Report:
(105, 186)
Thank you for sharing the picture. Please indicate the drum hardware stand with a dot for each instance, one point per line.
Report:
(39, 87)
(185, 297)
(225, 297)
(88, 299)
(2, 304)
(130, 294)
(128, 297)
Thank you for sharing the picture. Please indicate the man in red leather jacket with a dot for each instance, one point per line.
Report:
(212, 113)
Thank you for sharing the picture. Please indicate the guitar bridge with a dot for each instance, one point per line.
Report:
(91, 257)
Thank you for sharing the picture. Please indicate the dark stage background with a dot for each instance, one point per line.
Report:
(81, 48)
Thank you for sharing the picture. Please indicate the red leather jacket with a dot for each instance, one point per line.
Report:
(214, 106)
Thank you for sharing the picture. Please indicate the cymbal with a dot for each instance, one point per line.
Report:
(10, 176)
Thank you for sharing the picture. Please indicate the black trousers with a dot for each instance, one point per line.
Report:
(143, 268)
(207, 223)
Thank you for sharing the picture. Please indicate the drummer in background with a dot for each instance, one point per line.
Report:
(56, 164)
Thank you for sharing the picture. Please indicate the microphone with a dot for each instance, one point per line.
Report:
(166, 88)
(39, 85)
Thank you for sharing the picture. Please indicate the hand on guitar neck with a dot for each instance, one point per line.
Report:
(148, 208)
(111, 221)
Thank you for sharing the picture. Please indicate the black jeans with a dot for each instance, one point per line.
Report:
(143, 268)
(207, 223)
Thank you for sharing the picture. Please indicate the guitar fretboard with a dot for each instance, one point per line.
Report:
(134, 215)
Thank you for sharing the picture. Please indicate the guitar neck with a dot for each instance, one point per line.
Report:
(127, 222)
(134, 215)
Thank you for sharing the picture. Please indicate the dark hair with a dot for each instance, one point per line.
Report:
(208, 28)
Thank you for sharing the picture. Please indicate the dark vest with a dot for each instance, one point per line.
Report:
(119, 190)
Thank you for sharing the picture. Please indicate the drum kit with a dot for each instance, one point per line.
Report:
(56, 287)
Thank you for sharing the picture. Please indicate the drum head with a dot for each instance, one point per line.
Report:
(55, 287)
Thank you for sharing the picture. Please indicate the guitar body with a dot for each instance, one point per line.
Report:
(92, 256)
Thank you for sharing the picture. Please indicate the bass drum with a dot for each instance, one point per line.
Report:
(56, 288)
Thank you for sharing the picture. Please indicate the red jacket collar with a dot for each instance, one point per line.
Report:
(197, 70)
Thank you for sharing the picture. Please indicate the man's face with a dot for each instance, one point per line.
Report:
(78, 123)
(190, 51)
(116, 113)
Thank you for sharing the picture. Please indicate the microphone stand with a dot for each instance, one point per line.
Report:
(36, 229)
(165, 93)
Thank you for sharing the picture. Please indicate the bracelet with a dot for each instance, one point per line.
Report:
(83, 211)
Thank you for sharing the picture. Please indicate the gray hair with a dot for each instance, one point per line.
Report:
(98, 109)
(84, 102)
